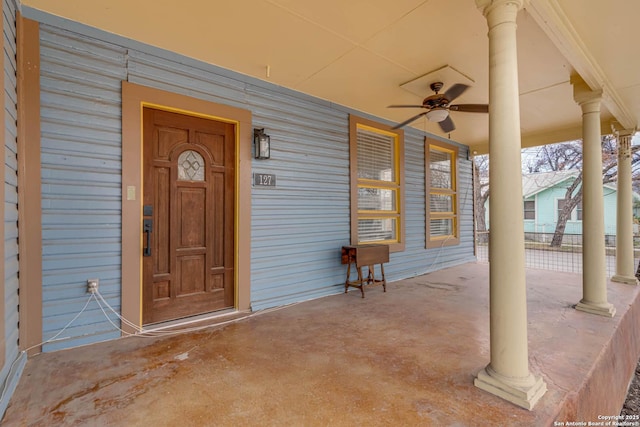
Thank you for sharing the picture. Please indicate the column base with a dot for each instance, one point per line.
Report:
(602, 309)
(629, 280)
(524, 392)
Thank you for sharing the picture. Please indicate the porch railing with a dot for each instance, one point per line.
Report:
(567, 257)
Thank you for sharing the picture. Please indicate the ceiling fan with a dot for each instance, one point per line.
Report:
(438, 106)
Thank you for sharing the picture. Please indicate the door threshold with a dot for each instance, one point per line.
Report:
(212, 319)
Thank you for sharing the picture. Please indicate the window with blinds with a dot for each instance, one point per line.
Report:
(376, 183)
(442, 197)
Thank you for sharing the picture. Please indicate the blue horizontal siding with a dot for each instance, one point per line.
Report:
(81, 150)
(297, 228)
(10, 334)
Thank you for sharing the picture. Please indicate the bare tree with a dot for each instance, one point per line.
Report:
(481, 195)
(572, 197)
(556, 157)
(561, 157)
(568, 156)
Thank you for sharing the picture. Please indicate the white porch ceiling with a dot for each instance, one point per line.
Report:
(359, 53)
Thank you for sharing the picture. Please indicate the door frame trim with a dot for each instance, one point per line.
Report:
(134, 98)
(30, 185)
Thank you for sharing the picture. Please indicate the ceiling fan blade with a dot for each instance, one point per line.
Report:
(470, 108)
(405, 106)
(455, 91)
(447, 125)
(406, 122)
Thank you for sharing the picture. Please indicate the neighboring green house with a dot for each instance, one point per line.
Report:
(543, 198)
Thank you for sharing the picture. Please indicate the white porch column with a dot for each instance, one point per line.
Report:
(507, 376)
(594, 276)
(625, 271)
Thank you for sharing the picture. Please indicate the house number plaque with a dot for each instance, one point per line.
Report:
(264, 180)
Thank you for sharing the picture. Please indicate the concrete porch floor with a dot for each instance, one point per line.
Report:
(405, 357)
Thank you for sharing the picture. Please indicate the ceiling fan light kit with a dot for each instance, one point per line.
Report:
(437, 114)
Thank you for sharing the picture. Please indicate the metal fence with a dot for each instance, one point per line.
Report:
(567, 257)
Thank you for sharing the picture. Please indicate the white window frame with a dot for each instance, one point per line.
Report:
(574, 212)
(535, 209)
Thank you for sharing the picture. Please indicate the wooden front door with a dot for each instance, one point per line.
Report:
(188, 215)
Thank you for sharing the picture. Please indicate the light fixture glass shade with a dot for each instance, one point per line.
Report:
(437, 115)
(262, 144)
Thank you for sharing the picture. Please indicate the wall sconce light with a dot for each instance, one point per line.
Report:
(261, 144)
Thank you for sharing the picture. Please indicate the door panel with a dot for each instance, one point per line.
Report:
(191, 210)
(189, 179)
